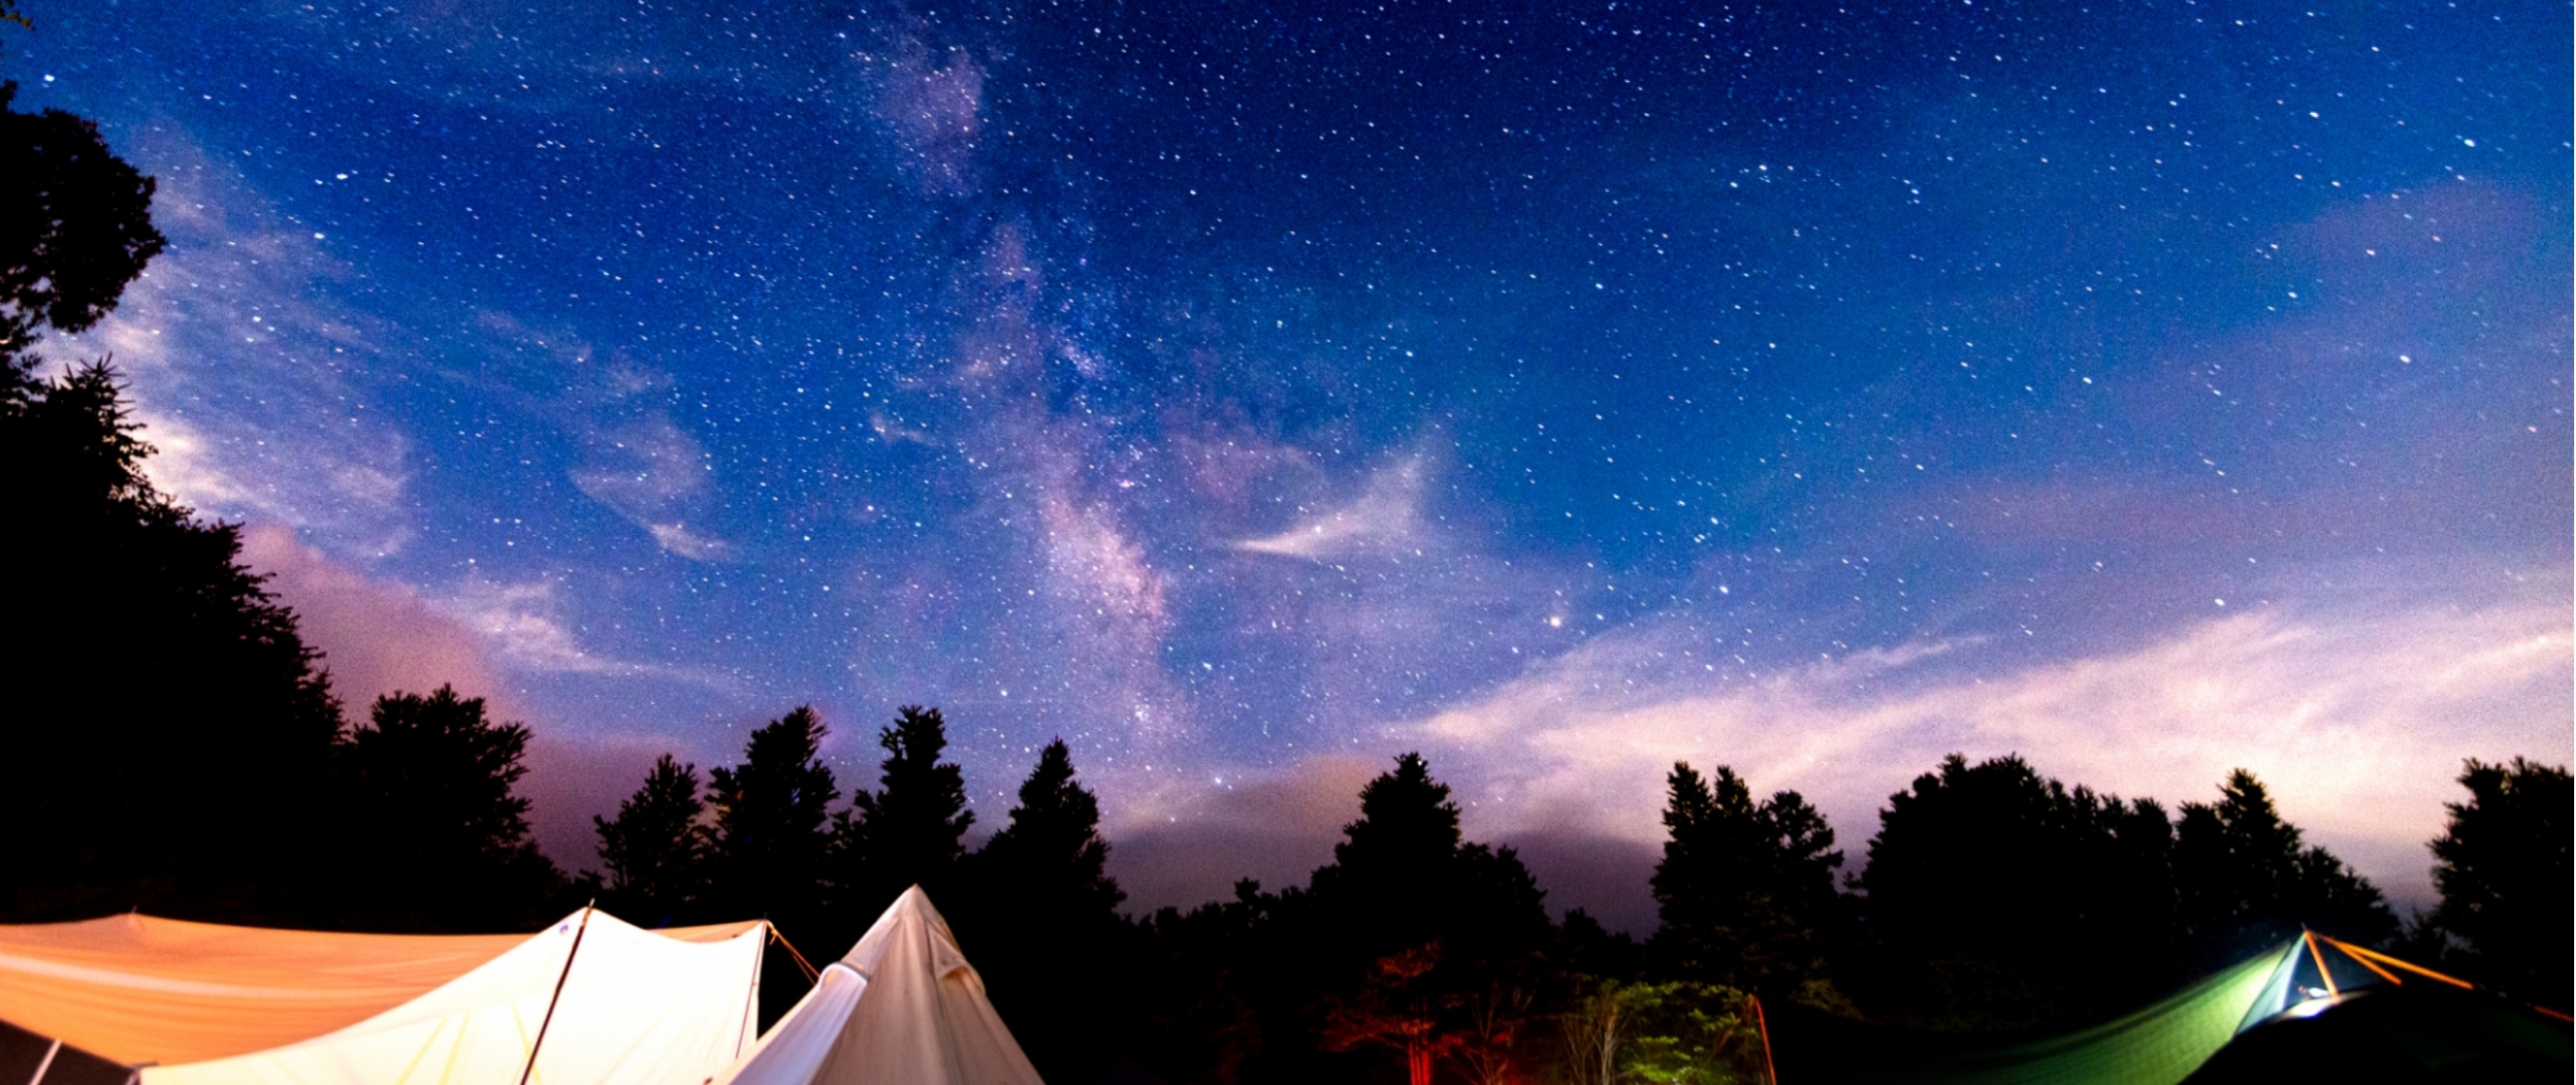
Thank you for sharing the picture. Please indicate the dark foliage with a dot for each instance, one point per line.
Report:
(2244, 881)
(171, 730)
(1745, 891)
(1981, 879)
(656, 850)
(435, 839)
(1259, 988)
(2502, 866)
(912, 829)
(1039, 915)
(769, 849)
(1403, 876)
(769, 841)
(75, 220)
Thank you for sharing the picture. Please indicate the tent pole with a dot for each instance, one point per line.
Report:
(566, 974)
(46, 1063)
(1764, 1023)
(2305, 934)
(751, 1012)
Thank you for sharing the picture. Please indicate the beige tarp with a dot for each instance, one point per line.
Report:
(901, 1008)
(309, 1008)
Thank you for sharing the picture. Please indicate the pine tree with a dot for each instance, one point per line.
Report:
(1745, 892)
(1051, 854)
(656, 849)
(170, 727)
(1039, 914)
(912, 829)
(2244, 880)
(769, 841)
(2503, 870)
(174, 728)
(429, 785)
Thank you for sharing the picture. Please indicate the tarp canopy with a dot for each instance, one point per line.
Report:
(2159, 1045)
(2314, 1008)
(199, 1004)
(2334, 1011)
(901, 1008)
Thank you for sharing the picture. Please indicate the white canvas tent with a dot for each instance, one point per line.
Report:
(901, 1008)
(636, 1007)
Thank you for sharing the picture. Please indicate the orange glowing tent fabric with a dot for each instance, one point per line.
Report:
(139, 989)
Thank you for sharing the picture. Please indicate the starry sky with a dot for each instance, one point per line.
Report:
(1247, 393)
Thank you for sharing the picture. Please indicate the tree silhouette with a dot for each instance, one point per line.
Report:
(912, 829)
(1051, 854)
(2244, 881)
(172, 729)
(430, 800)
(1405, 886)
(75, 221)
(1979, 879)
(656, 850)
(1402, 876)
(1745, 891)
(769, 813)
(1040, 912)
(2502, 866)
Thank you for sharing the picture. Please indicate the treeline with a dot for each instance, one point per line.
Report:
(1990, 899)
(173, 745)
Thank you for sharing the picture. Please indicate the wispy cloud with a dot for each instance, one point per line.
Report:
(2357, 722)
(376, 637)
(1386, 517)
(244, 375)
(651, 472)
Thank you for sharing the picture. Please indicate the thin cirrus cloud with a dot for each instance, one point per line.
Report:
(2356, 724)
(376, 637)
(1386, 517)
(652, 473)
(280, 428)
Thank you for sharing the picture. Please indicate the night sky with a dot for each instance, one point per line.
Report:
(1249, 393)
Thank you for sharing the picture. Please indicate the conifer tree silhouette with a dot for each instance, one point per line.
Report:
(1745, 890)
(657, 847)
(770, 810)
(198, 798)
(2245, 880)
(912, 829)
(2504, 875)
(1039, 912)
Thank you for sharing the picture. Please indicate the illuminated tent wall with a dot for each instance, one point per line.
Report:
(2314, 1009)
(2159, 1045)
(901, 1008)
(200, 1004)
(2334, 1011)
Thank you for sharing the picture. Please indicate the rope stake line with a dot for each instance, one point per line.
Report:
(811, 974)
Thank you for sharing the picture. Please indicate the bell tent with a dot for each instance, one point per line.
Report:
(902, 1006)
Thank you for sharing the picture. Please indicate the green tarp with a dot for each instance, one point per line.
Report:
(2159, 1045)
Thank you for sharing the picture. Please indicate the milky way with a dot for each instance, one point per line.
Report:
(1247, 393)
